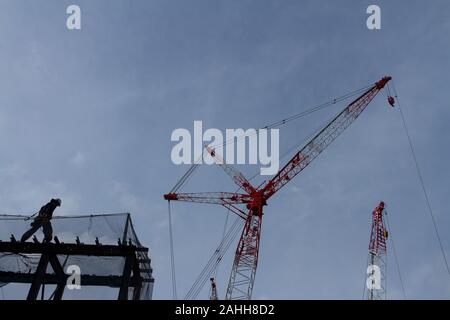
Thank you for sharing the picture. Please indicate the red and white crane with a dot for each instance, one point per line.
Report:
(376, 269)
(240, 285)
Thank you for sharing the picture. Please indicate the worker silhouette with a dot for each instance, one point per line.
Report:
(43, 220)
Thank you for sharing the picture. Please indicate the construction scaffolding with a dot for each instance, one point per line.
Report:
(104, 248)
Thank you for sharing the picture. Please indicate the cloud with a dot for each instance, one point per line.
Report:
(78, 159)
(21, 194)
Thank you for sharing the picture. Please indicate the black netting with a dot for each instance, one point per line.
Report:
(109, 229)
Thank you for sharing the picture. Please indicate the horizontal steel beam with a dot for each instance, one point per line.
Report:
(86, 280)
(70, 249)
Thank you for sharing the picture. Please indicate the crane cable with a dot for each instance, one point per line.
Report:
(172, 256)
(216, 269)
(214, 260)
(229, 240)
(419, 174)
(296, 116)
(318, 107)
(394, 250)
(278, 123)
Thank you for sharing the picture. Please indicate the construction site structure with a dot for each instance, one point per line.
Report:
(249, 203)
(376, 269)
(98, 250)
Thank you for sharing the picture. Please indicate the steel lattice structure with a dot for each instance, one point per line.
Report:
(376, 270)
(245, 263)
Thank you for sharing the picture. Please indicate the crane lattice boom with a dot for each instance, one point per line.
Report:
(322, 139)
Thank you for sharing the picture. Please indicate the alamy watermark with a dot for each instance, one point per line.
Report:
(240, 146)
(73, 21)
(373, 22)
(373, 281)
(74, 278)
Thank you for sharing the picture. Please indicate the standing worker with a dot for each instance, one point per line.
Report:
(43, 220)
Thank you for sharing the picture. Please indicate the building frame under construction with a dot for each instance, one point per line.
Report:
(83, 254)
(131, 276)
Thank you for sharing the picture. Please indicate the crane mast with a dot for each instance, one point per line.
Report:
(214, 295)
(240, 285)
(376, 269)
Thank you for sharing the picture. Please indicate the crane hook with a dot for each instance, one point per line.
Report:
(391, 101)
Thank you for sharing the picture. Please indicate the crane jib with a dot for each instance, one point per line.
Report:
(322, 139)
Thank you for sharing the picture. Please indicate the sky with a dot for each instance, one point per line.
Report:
(86, 115)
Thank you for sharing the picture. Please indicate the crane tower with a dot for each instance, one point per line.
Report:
(376, 269)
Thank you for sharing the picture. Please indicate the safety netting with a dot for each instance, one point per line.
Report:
(104, 229)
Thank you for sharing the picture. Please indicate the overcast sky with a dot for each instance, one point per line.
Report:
(87, 115)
